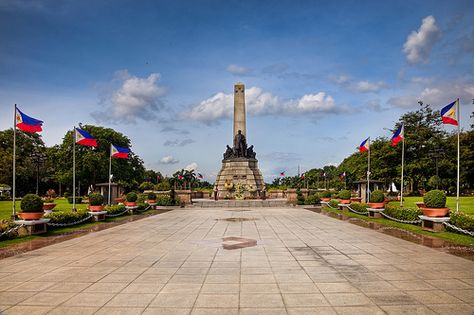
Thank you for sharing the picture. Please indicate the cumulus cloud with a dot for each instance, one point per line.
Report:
(237, 70)
(169, 159)
(191, 167)
(174, 130)
(178, 143)
(362, 86)
(420, 43)
(135, 98)
(259, 102)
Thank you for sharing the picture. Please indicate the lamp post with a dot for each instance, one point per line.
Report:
(38, 158)
(436, 153)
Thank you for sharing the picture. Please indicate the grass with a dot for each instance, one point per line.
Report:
(62, 204)
(466, 204)
(456, 238)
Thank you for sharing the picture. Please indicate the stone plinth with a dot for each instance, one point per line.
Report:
(34, 226)
(184, 196)
(291, 195)
(131, 209)
(433, 224)
(98, 215)
(374, 213)
(243, 171)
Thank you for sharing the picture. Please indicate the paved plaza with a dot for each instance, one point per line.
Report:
(263, 261)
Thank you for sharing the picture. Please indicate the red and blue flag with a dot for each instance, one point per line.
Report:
(200, 176)
(364, 146)
(399, 135)
(121, 153)
(449, 114)
(27, 123)
(282, 174)
(84, 138)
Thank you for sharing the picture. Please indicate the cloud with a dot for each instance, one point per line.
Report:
(341, 79)
(362, 86)
(191, 167)
(374, 105)
(178, 143)
(258, 102)
(237, 70)
(135, 98)
(420, 43)
(169, 159)
(175, 130)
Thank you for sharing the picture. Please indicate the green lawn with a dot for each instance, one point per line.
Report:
(466, 204)
(62, 204)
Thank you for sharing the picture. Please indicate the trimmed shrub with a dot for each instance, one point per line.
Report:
(142, 206)
(5, 225)
(334, 203)
(66, 217)
(361, 207)
(299, 197)
(163, 186)
(151, 196)
(146, 186)
(335, 194)
(31, 203)
(312, 200)
(141, 198)
(377, 196)
(462, 220)
(164, 201)
(345, 194)
(132, 197)
(96, 199)
(409, 214)
(435, 199)
(326, 194)
(114, 209)
(66, 194)
(78, 200)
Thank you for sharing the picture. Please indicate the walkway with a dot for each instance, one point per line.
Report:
(192, 261)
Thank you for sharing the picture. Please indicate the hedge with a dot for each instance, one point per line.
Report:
(164, 200)
(462, 220)
(334, 203)
(114, 209)
(65, 217)
(312, 200)
(361, 207)
(408, 214)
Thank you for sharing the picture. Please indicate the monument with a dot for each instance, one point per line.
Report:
(239, 177)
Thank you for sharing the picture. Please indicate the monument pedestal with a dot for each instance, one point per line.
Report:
(237, 172)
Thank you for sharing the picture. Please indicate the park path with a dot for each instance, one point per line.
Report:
(197, 262)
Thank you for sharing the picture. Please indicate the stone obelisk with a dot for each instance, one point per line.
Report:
(239, 176)
(239, 109)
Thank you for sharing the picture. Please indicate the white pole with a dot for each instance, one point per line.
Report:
(368, 173)
(74, 168)
(403, 159)
(459, 131)
(110, 171)
(14, 164)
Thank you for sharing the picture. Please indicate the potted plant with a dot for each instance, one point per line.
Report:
(326, 195)
(435, 204)
(48, 205)
(345, 196)
(96, 201)
(31, 207)
(377, 199)
(131, 199)
(151, 198)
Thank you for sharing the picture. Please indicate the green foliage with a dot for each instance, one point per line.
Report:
(462, 220)
(435, 199)
(361, 207)
(377, 196)
(142, 206)
(334, 203)
(164, 200)
(141, 198)
(114, 209)
(31, 203)
(6, 225)
(326, 194)
(312, 200)
(132, 197)
(66, 194)
(345, 194)
(163, 186)
(299, 197)
(409, 214)
(65, 217)
(434, 182)
(96, 199)
(78, 200)
(146, 186)
(335, 194)
(151, 196)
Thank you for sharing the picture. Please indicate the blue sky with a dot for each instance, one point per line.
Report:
(320, 76)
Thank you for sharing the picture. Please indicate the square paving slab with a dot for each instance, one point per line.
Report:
(216, 261)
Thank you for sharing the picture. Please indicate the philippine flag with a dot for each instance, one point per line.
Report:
(84, 138)
(121, 153)
(364, 146)
(27, 123)
(200, 176)
(449, 114)
(282, 174)
(302, 176)
(399, 135)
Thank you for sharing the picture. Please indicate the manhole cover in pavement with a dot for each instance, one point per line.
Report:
(233, 242)
(237, 219)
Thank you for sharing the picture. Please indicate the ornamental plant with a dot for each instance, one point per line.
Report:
(435, 199)
(312, 200)
(326, 194)
(31, 203)
(151, 196)
(299, 197)
(78, 200)
(345, 194)
(377, 196)
(96, 199)
(132, 197)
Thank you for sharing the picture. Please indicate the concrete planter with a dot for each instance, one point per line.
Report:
(130, 204)
(376, 205)
(435, 212)
(31, 215)
(96, 208)
(48, 206)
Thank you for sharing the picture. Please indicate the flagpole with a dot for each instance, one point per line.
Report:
(459, 131)
(368, 173)
(14, 164)
(74, 168)
(110, 170)
(403, 158)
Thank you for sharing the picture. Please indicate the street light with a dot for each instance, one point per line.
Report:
(38, 158)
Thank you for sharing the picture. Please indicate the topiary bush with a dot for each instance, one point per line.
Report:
(312, 200)
(164, 201)
(361, 207)
(377, 196)
(345, 194)
(114, 209)
(141, 198)
(435, 199)
(96, 199)
(151, 196)
(334, 203)
(31, 203)
(132, 197)
(326, 194)
(66, 217)
(409, 214)
(462, 220)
